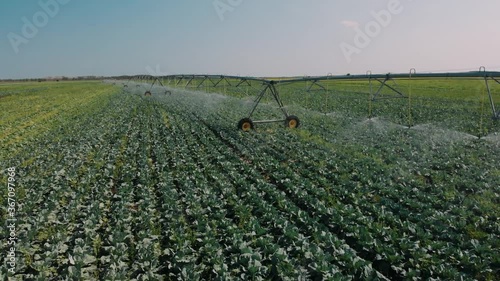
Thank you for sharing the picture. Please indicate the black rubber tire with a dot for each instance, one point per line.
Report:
(292, 122)
(147, 93)
(245, 124)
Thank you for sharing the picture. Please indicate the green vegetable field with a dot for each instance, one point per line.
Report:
(111, 184)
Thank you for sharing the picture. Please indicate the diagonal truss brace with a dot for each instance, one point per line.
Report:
(222, 78)
(384, 83)
(202, 81)
(154, 82)
(189, 82)
(496, 115)
(274, 92)
(157, 79)
(315, 82)
(243, 81)
(180, 80)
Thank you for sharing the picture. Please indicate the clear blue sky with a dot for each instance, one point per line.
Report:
(254, 37)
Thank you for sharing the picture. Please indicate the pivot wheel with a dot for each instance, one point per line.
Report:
(147, 93)
(292, 122)
(245, 124)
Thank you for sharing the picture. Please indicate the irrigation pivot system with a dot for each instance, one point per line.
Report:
(270, 86)
(246, 123)
(291, 121)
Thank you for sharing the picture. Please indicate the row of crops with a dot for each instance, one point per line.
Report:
(163, 187)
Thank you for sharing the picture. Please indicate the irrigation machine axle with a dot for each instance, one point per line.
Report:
(290, 121)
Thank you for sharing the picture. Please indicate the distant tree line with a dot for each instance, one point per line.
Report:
(57, 79)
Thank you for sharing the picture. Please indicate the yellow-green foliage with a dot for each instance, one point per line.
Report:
(30, 109)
